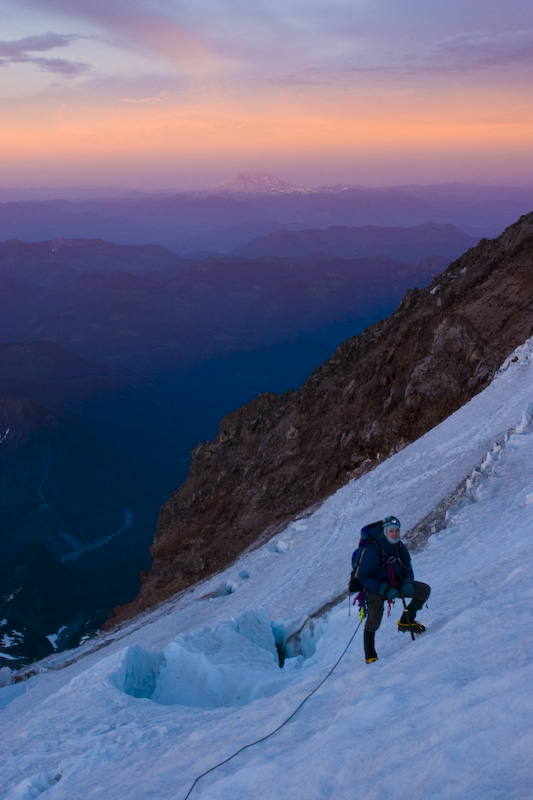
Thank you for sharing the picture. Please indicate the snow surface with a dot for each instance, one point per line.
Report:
(145, 710)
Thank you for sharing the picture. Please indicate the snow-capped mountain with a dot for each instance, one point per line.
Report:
(191, 700)
(255, 183)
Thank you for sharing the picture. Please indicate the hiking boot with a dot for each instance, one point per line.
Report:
(406, 624)
(370, 650)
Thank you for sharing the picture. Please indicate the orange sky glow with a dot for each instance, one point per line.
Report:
(187, 103)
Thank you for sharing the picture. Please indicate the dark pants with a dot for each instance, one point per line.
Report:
(375, 604)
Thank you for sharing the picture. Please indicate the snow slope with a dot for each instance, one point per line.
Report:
(143, 711)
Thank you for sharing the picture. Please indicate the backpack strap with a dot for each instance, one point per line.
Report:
(388, 562)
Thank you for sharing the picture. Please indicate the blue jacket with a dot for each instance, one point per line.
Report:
(373, 569)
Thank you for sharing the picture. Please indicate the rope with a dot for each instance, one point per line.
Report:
(264, 738)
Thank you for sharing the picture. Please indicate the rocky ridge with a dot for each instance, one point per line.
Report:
(280, 454)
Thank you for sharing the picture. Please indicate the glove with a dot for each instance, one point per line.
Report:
(383, 587)
(408, 588)
(392, 593)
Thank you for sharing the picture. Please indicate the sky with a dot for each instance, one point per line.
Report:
(174, 94)
(147, 709)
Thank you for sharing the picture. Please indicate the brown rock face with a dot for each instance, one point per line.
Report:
(381, 390)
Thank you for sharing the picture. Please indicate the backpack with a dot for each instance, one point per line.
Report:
(367, 535)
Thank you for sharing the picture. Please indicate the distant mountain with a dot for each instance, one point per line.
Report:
(194, 310)
(252, 183)
(103, 404)
(399, 244)
(200, 221)
(217, 243)
(47, 373)
(46, 262)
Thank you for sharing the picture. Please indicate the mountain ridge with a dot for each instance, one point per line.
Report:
(181, 221)
(405, 244)
(280, 454)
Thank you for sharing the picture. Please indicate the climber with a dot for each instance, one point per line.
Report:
(385, 573)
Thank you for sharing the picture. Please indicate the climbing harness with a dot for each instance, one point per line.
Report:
(268, 735)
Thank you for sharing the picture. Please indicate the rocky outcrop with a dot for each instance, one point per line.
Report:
(381, 390)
